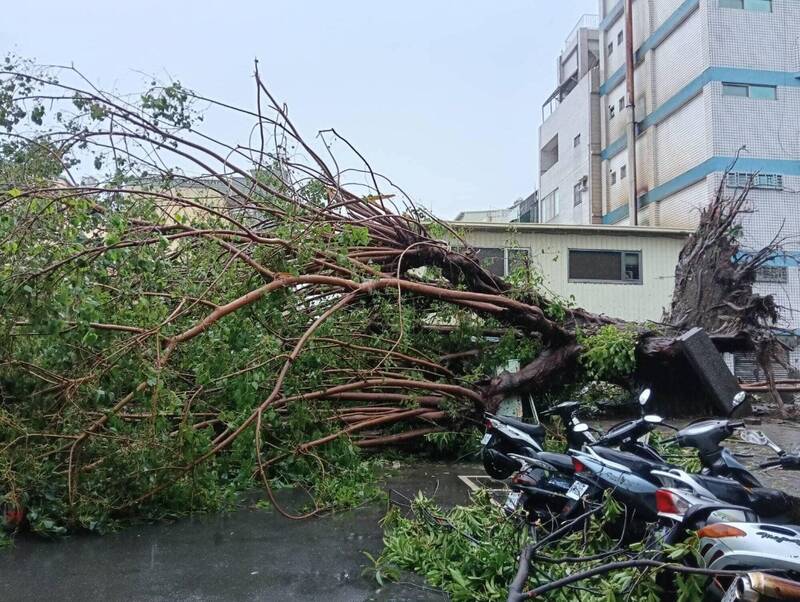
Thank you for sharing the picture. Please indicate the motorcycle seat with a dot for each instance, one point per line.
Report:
(763, 500)
(564, 406)
(636, 463)
(534, 430)
(562, 462)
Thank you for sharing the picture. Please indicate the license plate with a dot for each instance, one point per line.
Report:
(730, 595)
(512, 501)
(577, 490)
(486, 438)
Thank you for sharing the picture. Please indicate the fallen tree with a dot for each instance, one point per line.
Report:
(166, 337)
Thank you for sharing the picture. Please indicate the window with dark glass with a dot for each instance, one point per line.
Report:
(605, 266)
(502, 262)
(517, 259)
(776, 274)
(493, 260)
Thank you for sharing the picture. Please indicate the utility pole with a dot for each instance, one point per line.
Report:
(633, 204)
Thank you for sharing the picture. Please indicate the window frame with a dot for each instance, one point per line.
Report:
(748, 90)
(622, 254)
(761, 181)
(506, 255)
(611, 111)
(577, 194)
(620, 38)
(610, 48)
(621, 104)
(623, 171)
(576, 141)
(743, 5)
(556, 201)
(612, 177)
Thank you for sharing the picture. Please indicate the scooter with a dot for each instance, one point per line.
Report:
(506, 435)
(741, 488)
(732, 537)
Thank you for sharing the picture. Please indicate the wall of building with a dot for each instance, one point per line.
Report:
(549, 247)
(571, 119)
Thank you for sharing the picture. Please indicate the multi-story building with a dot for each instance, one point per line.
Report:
(716, 89)
(523, 211)
(569, 137)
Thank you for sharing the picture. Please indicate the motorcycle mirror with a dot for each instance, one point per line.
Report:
(739, 398)
(580, 428)
(644, 396)
(653, 419)
(754, 437)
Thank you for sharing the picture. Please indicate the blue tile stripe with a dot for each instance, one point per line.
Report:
(612, 82)
(785, 259)
(732, 75)
(615, 13)
(667, 27)
(653, 41)
(786, 167)
(616, 147)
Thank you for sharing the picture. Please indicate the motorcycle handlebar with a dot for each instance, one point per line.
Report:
(787, 461)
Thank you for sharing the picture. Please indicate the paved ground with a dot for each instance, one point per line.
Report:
(254, 554)
(248, 555)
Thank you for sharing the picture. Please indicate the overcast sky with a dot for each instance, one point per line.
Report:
(442, 96)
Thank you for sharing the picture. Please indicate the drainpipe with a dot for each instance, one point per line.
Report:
(633, 205)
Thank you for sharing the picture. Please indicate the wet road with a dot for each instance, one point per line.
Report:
(254, 554)
(247, 555)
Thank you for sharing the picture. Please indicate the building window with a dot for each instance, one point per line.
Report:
(611, 111)
(576, 141)
(548, 155)
(750, 90)
(621, 104)
(619, 39)
(502, 262)
(761, 6)
(623, 171)
(775, 274)
(605, 266)
(550, 206)
(768, 181)
(577, 194)
(610, 48)
(613, 177)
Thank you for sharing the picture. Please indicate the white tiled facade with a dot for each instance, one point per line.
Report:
(711, 77)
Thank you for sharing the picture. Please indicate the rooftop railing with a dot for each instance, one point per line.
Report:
(586, 21)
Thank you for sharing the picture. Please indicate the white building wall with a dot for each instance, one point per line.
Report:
(755, 40)
(571, 119)
(678, 60)
(681, 141)
(549, 247)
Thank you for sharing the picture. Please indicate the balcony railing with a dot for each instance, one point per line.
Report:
(586, 21)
